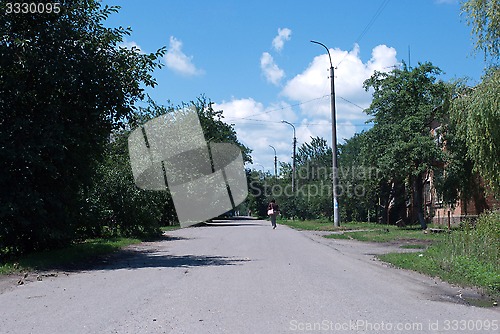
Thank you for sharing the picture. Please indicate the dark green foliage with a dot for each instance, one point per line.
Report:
(64, 86)
(257, 200)
(359, 179)
(405, 103)
(116, 206)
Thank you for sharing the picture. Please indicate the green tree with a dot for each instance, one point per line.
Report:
(257, 194)
(115, 206)
(470, 132)
(475, 113)
(314, 170)
(359, 179)
(484, 18)
(65, 84)
(121, 187)
(405, 103)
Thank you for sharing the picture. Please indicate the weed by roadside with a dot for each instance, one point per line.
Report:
(469, 256)
(325, 225)
(411, 236)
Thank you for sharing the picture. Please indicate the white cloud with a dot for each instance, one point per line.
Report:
(271, 71)
(177, 61)
(259, 126)
(279, 41)
(351, 98)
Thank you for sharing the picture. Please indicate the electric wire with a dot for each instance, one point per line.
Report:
(368, 26)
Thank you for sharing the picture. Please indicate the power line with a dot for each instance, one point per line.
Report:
(301, 124)
(290, 106)
(282, 108)
(368, 26)
(354, 104)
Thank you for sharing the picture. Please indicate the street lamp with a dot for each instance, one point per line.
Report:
(336, 219)
(263, 170)
(293, 162)
(275, 162)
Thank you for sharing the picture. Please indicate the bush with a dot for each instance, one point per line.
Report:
(116, 207)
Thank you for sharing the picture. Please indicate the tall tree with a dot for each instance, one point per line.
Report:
(484, 18)
(404, 104)
(65, 84)
(475, 113)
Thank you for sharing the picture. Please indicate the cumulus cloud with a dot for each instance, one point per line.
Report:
(179, 62)
(259, 126)
(271, 71)
(305, 102)
(279, 41)
(350, 74)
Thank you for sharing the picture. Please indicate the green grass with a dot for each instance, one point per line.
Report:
(413, 246)
(74, 254)
(462, 270)
(469, 256)
(392, 234)
(325, 225)
(368, 232)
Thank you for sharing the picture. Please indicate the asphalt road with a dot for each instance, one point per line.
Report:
(241, 277)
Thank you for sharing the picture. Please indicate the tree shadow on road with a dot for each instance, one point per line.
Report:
(152, 259)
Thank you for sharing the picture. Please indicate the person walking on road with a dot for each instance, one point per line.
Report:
(273, 211)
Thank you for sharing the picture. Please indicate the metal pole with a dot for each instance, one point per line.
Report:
(275, 162)
(293, 162)
(263, 170)
(336, 218)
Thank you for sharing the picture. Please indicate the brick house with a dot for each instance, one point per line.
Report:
(441, 213)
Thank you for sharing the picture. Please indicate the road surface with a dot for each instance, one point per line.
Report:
(241, 277)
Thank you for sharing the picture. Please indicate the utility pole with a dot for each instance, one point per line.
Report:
(293, 163)
(275, 162)
(336, 218)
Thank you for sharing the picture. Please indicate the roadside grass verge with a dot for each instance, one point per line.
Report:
(462, 270)
(412, 236)
(325, 225)
(469, 256)
(71, 255)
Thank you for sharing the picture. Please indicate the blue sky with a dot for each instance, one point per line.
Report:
(254, 59)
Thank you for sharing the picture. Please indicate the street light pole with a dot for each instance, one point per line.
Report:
(293, 162)
(275, 162)
(336, 219)
(263, 170)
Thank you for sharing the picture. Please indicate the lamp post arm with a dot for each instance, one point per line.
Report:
(327, 51)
